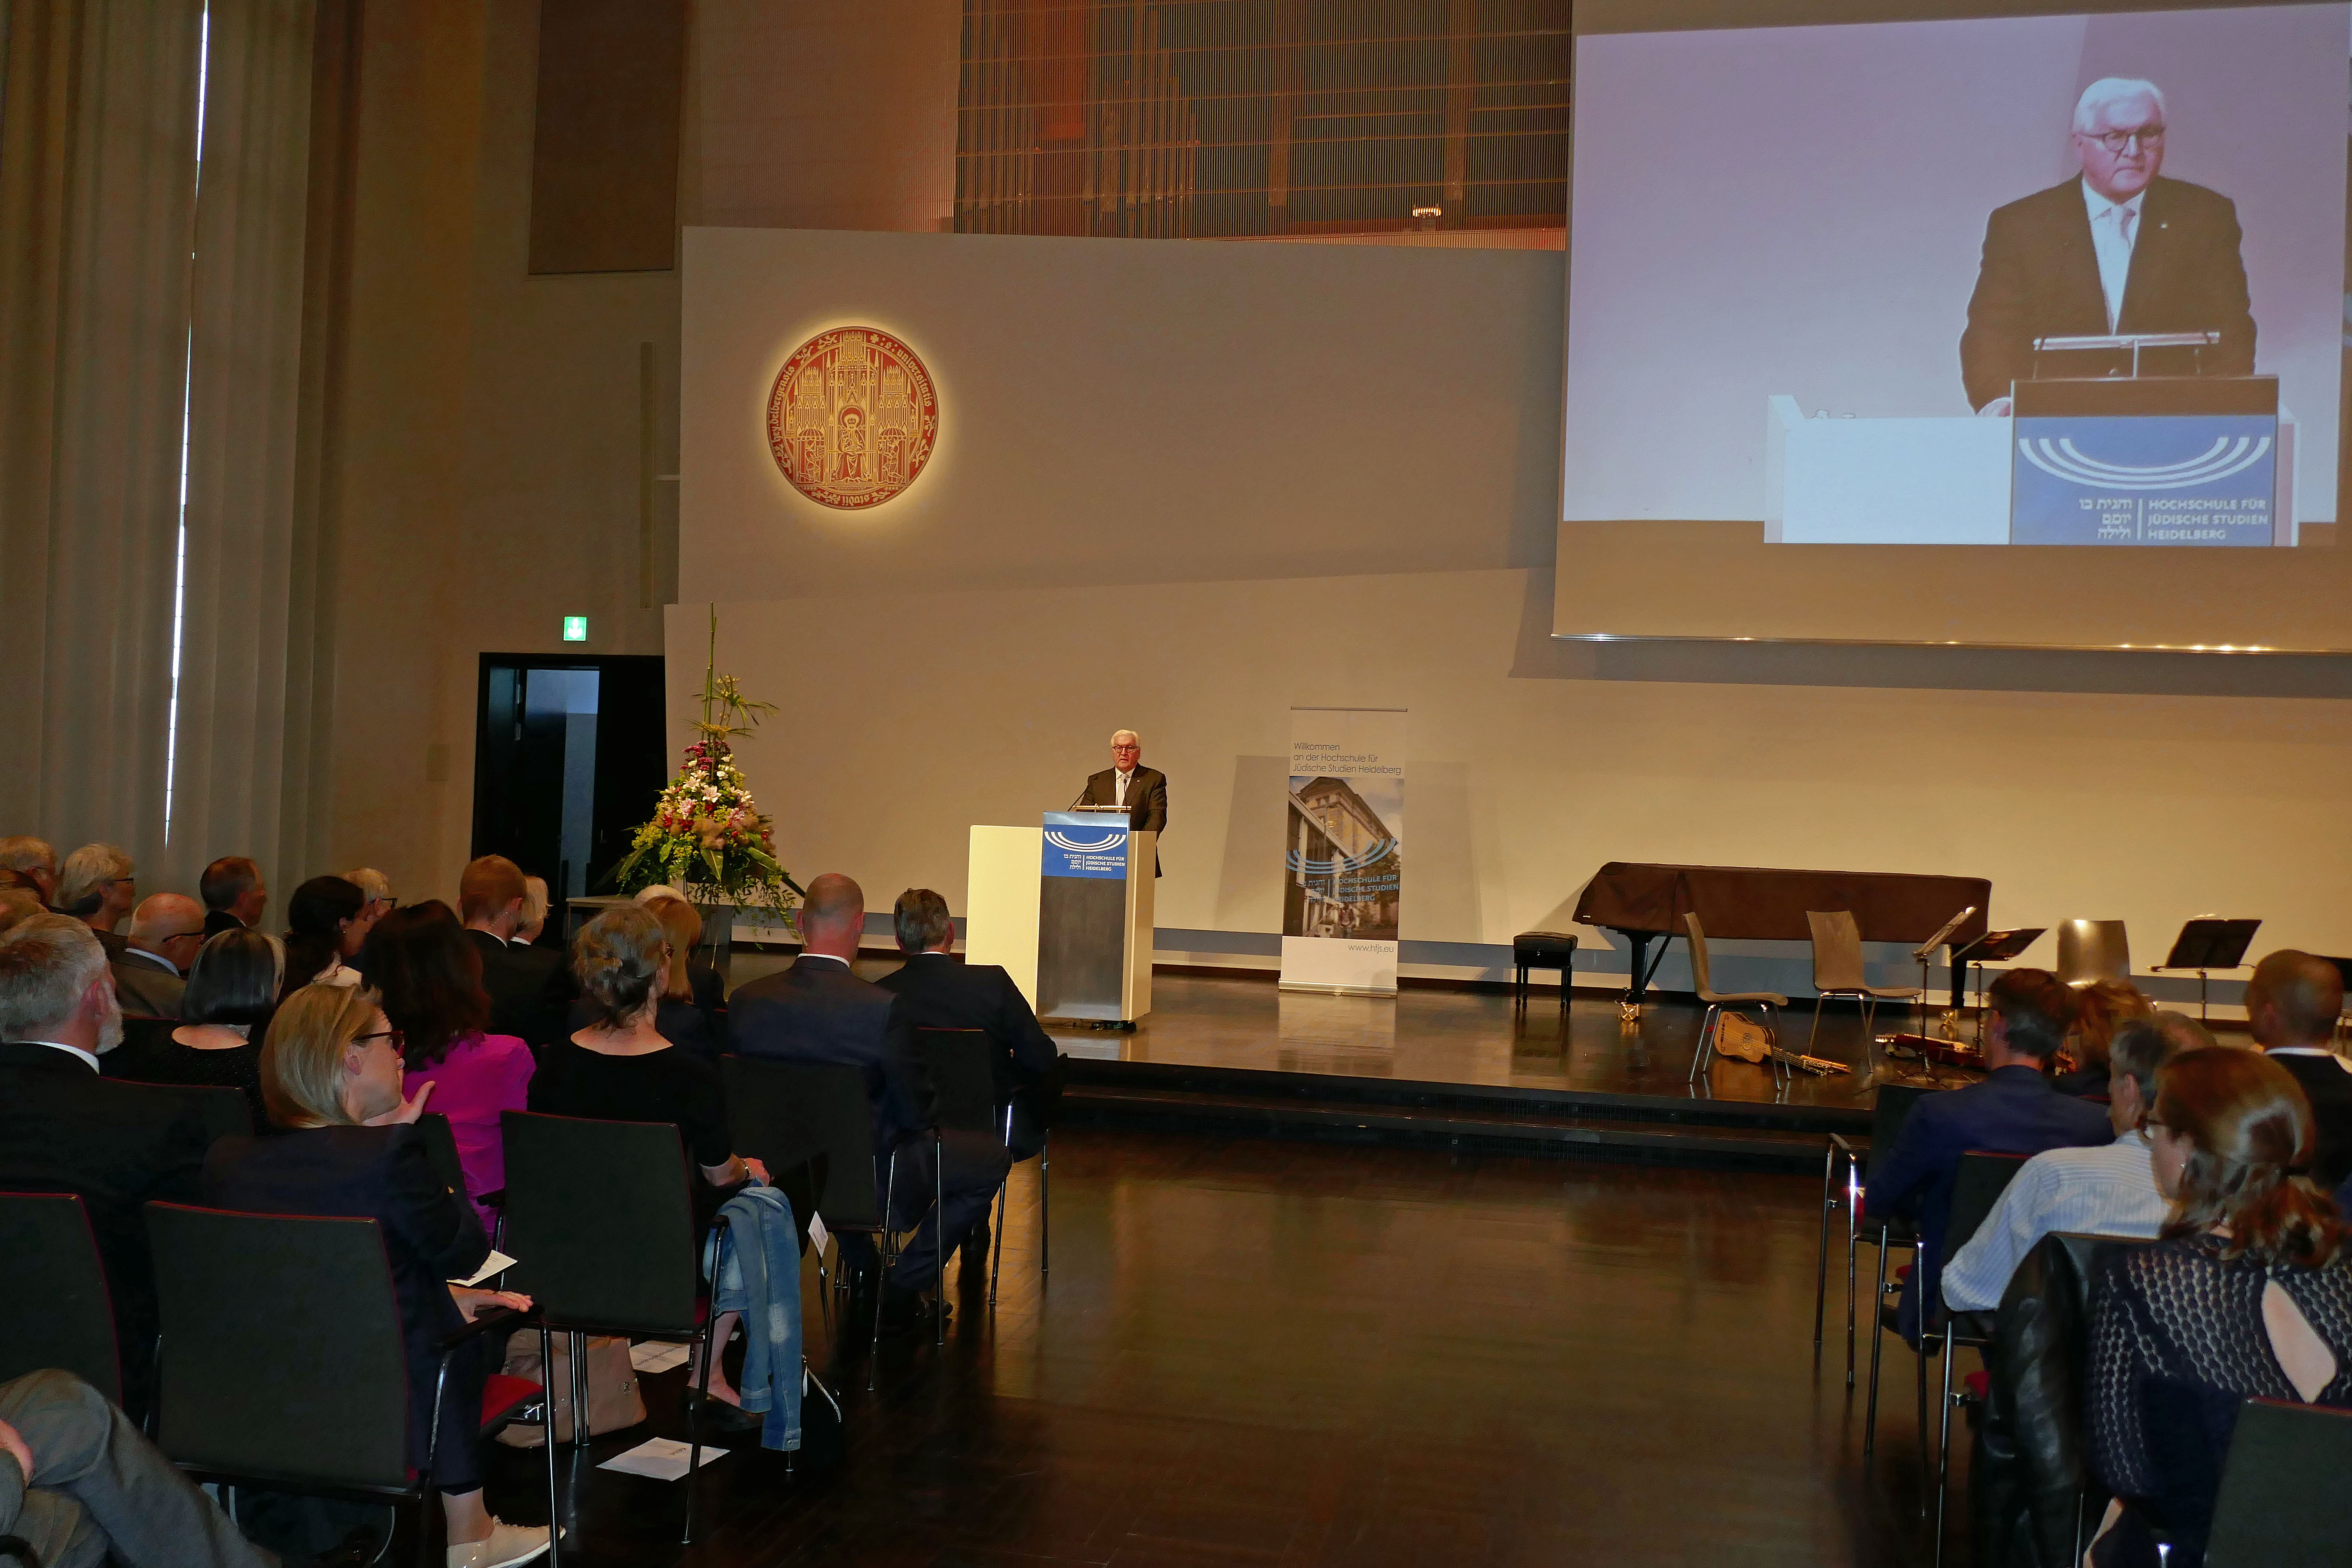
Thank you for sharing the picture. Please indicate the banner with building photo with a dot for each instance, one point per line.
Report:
(1342, 873)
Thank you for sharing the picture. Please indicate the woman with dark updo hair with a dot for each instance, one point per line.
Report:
(2248, 1295)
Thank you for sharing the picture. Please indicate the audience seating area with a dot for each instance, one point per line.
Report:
(277, 1352)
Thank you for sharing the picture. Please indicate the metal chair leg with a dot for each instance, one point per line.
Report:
(1044, 1200)
(1944, 1445)
(547, 1437)
(1707, 1027)
(1919, 1357)
(694, 1409)
(1821, 1256)
(882, 1269)
(996, 1242)
(1878, 1344)
(1853, 1238)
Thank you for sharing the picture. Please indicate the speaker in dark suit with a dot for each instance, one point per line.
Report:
(2120, 250)
(63, 1128)
(937, 991)
(1127, 781)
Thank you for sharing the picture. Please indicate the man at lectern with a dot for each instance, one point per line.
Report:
(1128, 783)
(2119, 250)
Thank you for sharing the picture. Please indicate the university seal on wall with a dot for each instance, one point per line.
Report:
(853, 418)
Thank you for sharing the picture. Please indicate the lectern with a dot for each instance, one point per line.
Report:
(1066, 909)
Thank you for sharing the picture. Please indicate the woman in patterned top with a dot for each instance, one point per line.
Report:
(2247, 1295)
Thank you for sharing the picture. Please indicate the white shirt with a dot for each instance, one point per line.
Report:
(829, 958)
(2310, 1051)
(157, 959)
(2107, 1191)
(2113, 239)
(69, 1050)
(336, 973)
(1120, 782)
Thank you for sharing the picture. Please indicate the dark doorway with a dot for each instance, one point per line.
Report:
(569, 757)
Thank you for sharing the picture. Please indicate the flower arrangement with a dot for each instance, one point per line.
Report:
(707, 835)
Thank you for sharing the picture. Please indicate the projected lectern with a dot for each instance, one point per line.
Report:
(1066, 909)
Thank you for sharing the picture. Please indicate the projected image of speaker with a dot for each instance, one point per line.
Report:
(2069, 281)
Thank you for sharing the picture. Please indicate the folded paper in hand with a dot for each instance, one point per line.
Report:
(498, 1262)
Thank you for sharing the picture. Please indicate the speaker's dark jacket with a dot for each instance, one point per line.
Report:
(817, 1011)
(1147, 801)
(2039, 276)
(531, 990)
(65, 1128)
(936, 991)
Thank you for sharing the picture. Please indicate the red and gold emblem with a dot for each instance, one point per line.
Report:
(853, 418)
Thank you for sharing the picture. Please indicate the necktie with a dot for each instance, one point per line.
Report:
(2124, 216)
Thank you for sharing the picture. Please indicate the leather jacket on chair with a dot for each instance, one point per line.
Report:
(2034, 1498)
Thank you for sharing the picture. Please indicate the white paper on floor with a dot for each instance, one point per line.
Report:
(653, 1355)
(663, 1459)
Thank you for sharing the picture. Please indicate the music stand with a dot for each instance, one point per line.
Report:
(1993, 947)
(1926, 951)
(2210, 942)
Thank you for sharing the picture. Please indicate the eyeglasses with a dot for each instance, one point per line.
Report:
(395, 1036)
(2116, 141)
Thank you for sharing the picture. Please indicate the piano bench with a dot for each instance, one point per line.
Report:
(1541, 949)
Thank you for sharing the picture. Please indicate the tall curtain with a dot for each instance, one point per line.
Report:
(132, 292)
(98, 130)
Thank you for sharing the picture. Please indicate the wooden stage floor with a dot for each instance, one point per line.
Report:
(1445, 1035)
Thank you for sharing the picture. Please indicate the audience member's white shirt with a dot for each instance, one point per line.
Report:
(2107, 1191)
(157, 959)
(828, 957)
(69, 1050)
(2341, 1060)
(336, 973)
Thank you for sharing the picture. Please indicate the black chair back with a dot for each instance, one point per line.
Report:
(2283, 1497)
(282, 1357)
(1887, 1116)
(55, 1310)
(1977, 1185)
(955, 1065)
(600, 1216)
(786, 1113)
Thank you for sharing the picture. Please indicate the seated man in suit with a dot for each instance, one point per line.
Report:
(2013, 1112)
(234, 895)
(2291, 1005)
(2118, 250)
(936, 992)
(531, 990)
(167, 931)
(818, 1011)
(63, 1128)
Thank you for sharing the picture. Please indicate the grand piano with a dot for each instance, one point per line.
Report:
(1639, 902)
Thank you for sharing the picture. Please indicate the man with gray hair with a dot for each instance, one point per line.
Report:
(32, 863)
(2104, 1191)
(2120, 249)
(1128, 783)
(63, 1128)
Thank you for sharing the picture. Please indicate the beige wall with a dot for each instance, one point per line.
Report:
(488, 472)
(1103, 543)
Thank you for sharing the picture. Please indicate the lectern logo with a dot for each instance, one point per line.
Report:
(853, 418)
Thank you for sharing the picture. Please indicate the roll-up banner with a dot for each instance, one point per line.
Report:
(1341, 871)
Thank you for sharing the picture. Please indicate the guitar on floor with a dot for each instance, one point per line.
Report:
(1736, 1036)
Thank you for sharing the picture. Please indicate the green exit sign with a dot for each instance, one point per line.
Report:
(575, 628)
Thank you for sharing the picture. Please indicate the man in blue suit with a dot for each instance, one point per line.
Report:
(818, 1011)
(2013, 1112)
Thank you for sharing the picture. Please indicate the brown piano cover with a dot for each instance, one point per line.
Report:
(1736, 902)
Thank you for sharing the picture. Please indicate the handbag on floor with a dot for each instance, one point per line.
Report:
(613, 1401)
